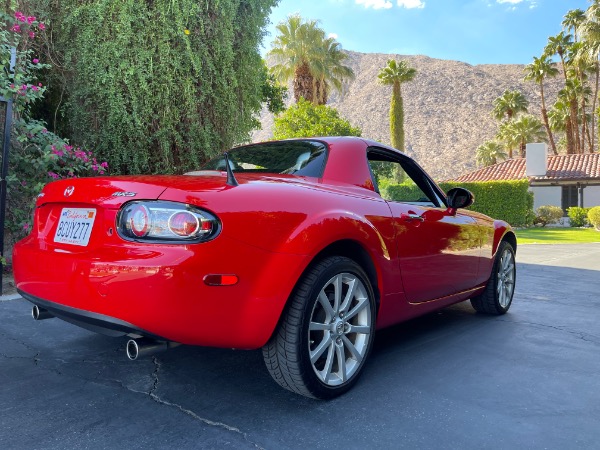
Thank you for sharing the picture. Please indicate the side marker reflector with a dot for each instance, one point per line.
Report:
(220, 280)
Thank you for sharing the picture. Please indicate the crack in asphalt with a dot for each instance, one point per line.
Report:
(156, 398)
(151, 393)
(578, 334)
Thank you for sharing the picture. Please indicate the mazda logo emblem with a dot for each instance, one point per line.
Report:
(69, 191)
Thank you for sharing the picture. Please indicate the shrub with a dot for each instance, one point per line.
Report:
(548, 214)
(305, 119)
(37, 156)
(594, 217)
(578, 216)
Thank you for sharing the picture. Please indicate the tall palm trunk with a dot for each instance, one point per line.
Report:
(571, 136)
(595, 97)
(545, 119)
(397, 118)
(569, 133)
(575, 126)
(303, 84)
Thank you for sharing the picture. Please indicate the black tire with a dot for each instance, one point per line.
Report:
(339, 345)
(498, 294)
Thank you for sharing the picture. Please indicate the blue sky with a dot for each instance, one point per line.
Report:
(472, 31)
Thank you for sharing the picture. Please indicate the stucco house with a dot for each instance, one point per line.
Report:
(562, 180)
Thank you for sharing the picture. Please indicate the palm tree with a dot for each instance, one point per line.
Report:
(528, 128)
(539, 69)
(329, 69)
(573, 21)
(490, 153)
(396, 73)
(506, 135)
(315, 63)
(558, 45)
(519, 132)
(560, 120)
(509, 104)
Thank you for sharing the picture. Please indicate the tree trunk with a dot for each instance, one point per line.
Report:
(546, 123)
(303, 84)
(569, 133)
(397, 118)
(575, 125)
(594, 104)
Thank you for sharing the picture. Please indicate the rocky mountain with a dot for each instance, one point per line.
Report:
(448, 107)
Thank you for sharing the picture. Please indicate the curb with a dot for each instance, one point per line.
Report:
(6, 298)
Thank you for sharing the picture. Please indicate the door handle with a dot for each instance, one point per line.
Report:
(410, 217)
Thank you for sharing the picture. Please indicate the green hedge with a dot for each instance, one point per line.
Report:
(507, 200)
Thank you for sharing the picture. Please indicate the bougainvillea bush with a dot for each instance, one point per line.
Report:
(37, 156)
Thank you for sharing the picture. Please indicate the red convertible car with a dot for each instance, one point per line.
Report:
(301, 247)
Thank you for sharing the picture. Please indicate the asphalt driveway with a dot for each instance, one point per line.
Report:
(453, 379)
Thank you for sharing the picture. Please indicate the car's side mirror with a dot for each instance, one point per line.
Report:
(459, 198)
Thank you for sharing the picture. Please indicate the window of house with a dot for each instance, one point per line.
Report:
(570, 197)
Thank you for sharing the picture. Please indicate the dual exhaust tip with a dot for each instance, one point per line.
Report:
(135, 347)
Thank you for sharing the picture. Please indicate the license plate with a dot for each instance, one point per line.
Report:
(75, 226)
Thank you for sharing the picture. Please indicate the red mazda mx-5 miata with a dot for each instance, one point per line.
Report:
(301, 247)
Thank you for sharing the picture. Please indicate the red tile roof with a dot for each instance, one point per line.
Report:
(560, 168)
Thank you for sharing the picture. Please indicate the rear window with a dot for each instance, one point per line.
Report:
(304, 158)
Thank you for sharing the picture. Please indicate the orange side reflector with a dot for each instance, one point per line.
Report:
(220, 280)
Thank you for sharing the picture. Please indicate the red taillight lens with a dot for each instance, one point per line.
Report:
(184, 223)
(139, 221)
(167, 222)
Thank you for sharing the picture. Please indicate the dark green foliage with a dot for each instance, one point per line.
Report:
(578, 216)
(158, 87)
(304, 119)
(547, 214)
(506, 200)
(273, 93)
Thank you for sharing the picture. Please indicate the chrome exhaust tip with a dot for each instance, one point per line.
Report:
(40, 313)
(145, 347)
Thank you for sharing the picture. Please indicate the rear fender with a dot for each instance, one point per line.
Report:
(376, 238)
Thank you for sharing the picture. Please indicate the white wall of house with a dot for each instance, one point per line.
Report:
(591, 196)
(547, 195)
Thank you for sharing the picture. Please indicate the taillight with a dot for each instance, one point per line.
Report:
(139, 221)
(184, 223)
(166, 222)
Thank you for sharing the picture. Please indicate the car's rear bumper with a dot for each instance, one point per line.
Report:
(98, 323)
(158, 290)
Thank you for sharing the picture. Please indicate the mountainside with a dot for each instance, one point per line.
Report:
(448, 107)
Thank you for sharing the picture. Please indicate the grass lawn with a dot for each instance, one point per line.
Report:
(557, 235)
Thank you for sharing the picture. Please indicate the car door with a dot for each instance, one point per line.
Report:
(438, 248)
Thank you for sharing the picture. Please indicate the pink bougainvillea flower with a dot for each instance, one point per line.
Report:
(12, 86)
(16, 28)
(44, 131)
(30, 19)
(53, 175)
(104, 164)
(41, 26)
(35, 88)
(20, 16)
(35, 60)
(31, 34)
(26, 227)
